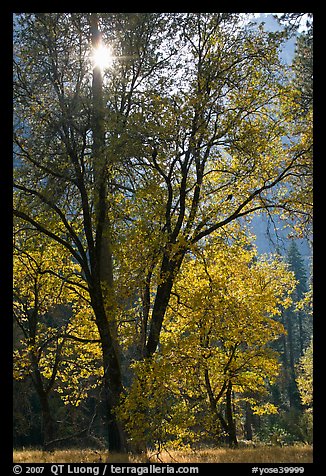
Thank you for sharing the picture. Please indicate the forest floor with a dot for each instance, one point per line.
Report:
(261, 454)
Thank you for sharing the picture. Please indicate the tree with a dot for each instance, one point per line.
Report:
(37, 292)
(215, 347)
(207, 156)
(189, 126)
(298, 325)
(56, 342)
(302, 67)
(303, 60)
(304, 322)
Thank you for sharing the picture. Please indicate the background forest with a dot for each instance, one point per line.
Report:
(146, 145)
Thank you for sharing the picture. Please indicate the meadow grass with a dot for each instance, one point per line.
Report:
(261, 454)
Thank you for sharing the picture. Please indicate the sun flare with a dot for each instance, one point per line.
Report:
(102, 57)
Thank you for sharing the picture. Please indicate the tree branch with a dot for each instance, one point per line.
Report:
(238, 212)
(55, 237)
(59, 212)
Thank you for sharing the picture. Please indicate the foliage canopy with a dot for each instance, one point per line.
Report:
(135, 183)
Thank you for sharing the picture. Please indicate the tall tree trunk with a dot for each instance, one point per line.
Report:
(47, 420)
(112, 382)
(248, 421)
(229, 417)
(103, 286)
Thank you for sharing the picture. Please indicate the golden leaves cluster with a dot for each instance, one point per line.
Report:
(222, 318)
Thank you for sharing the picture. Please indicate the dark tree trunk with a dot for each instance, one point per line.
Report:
(169, 268)
(159, 309)
(112, 377)
(102, 293)
(47, 421)
(232, 434)
(248, 422)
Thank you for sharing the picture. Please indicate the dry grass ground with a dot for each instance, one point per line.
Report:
(262, 454)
